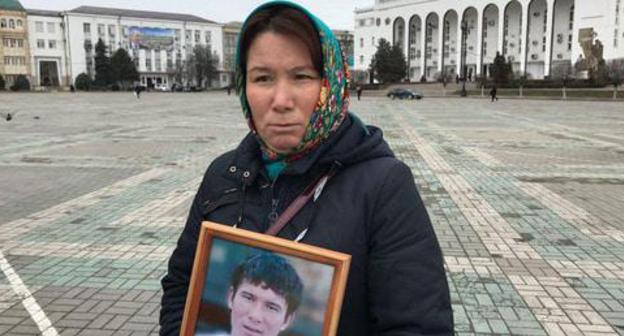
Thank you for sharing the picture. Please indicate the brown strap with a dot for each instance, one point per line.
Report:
(298, 203)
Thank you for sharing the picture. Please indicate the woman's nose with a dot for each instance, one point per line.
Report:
(283, 96)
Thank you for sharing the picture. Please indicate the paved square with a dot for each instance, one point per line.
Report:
(526, 197)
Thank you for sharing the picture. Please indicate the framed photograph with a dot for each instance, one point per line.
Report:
(247, 283)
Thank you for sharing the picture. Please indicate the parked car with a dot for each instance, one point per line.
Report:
(161, 87)
(402, 93)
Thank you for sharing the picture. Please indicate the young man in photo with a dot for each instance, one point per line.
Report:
(264, 294)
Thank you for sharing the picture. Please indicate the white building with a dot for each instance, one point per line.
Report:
(159, 42)
(47, 48)
(536, 35)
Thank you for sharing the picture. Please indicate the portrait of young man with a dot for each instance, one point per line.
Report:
(264, 294)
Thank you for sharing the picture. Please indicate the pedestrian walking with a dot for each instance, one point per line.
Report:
(359, 92)
(493, 93)
(137, 91)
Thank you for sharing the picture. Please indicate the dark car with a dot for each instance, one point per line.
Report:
(404, 94)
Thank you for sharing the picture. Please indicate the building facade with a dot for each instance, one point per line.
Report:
(52, 48)
(160, 43)
(536, 36)
(48, 51)
(14, 45)
(231, 30)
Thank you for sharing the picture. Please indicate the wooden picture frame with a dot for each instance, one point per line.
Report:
(222, 250)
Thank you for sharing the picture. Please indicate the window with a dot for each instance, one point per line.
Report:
(5, 42)
(208, 37)
(86, 28)
(197, 36)
(362, 59)
(157, 62)
(39, 27)
(3, 23)
(124, 31)
(111, 30)
(19, 23)
(41, 44)
(51, 27)
(148, 61)
(20, 43)
(361, 43)
(101, 29)
(187, 35)
(373, 41)
(52, 44)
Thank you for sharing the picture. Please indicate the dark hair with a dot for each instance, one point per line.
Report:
(273, 271)
(282, 20)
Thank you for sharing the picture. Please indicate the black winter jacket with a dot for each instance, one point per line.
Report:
(370, 209)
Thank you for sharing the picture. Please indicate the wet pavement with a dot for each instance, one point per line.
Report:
(526, 198)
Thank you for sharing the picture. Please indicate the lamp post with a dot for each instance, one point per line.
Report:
(464, 31)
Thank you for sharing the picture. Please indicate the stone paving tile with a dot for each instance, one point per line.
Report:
(525, 197)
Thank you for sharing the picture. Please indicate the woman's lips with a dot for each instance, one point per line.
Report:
(283, 128)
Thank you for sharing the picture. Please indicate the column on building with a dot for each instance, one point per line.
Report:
(423, 46)
(440, 45)
(550, 5)
(524, 38)
(479, 48)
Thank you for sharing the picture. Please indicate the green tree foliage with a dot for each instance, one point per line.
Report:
(202, 65)
(388, 64)
(103, 71)
(83, 82)
(500, 70)
(2, 83)
(123, 69)
(21, 84)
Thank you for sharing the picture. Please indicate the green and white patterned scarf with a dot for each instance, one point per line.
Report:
(333, 104)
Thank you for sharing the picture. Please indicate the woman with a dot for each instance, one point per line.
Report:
(292, 82)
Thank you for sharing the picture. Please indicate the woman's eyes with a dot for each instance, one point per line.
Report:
(303, 76)
(261, 79)
(297, 77)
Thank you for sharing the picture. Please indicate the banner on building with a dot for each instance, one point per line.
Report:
(151, 38)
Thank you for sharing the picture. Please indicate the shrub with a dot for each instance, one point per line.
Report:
(21, 84)
(83, 82)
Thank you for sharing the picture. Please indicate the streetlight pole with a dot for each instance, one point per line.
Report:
(464, 31)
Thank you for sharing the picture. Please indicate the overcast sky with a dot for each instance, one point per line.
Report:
(338, 14)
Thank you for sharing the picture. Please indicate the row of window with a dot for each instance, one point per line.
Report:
(362, 42)
(11, 23)
(50, 27)
(13, 43)
(14, 60)
(41, 44)
(189, 34)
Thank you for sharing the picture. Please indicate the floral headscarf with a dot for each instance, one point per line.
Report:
(332, 106)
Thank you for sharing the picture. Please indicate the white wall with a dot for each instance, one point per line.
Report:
(588, 13)
(46, 53)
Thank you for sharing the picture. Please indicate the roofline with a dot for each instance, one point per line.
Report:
(133, 13)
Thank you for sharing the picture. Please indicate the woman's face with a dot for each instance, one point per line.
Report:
(282, 88)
